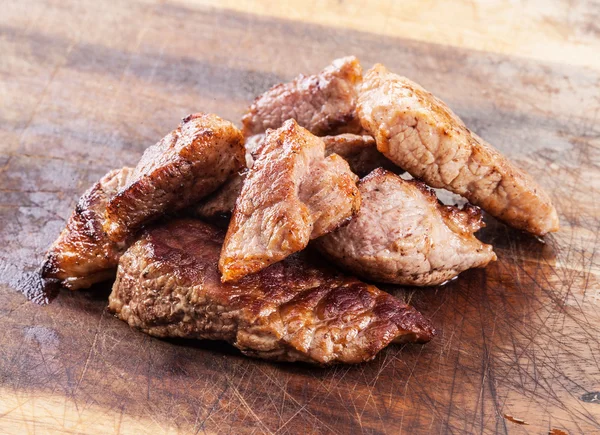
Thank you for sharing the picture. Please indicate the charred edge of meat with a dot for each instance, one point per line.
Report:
(50, 283)
(190, 117)
(121, 212)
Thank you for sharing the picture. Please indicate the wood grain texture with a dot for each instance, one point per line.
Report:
(86, 86)
(557, 31)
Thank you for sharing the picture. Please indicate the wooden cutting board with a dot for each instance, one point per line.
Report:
(86, 86)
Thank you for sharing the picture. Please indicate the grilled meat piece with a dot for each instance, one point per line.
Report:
(324, 103)
(403, 235)
(422, 135)
(359, 151)
(186, 165)
(292, 194)
(83, 254)
(168, 285)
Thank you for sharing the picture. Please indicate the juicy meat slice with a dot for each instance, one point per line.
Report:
(359, 151)
(403, 235)
(168, 285)
(422, 135)
(323, 103)
(292, 194)
(330, 193)
(83, 254)
(186, 165)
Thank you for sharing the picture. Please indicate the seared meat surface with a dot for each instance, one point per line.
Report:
(403, 235)
(292, 194)
(323, 103)
(422, 135)
(360, 151)
(83, 254)
(168, 285)
(186, 165)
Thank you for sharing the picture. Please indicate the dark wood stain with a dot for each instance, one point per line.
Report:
(593, 397)
(520, 338)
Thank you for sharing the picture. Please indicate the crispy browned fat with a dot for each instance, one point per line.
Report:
(83, 254)
(186, 165)
(168, 285)
(323, 103)
(292, 194)
(422, 135)
(403, 235)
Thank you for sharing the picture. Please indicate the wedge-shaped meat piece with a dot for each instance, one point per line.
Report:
(168, 285)
(422, 135)
(324, 103)
(292, 194)
(186, 165)
(83, 254)
(403, 235)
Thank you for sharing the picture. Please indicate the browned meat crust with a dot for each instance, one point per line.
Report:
(83, 254)
(359, 151)
(324, 103)
(292, 194)
(186, 165)
(403, 235)
(168, 285)
(422, 135)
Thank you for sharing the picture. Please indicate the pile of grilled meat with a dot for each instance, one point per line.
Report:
(288, 187)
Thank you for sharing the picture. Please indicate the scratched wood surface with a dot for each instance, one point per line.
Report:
(85, 86)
